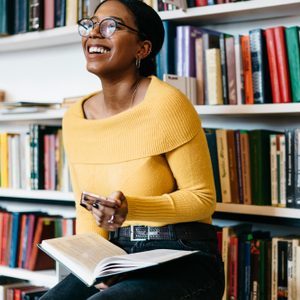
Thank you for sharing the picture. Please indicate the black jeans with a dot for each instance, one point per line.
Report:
(198, 276)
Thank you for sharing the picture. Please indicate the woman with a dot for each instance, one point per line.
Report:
(139, 145)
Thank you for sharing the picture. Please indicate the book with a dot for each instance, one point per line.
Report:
(247, 69)
(273, 66)
(212, 146)
(36, 15)
(232, 163)
(231, 69)
(246, 168)
(282, 63)
(49, 13)
(293, 55)
(92, 258)
(45, 229)
(165, 59)
(214, 77)
(260, 166)
(223, 160)
(260, 67)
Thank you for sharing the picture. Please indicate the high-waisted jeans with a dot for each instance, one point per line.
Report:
(199, 276)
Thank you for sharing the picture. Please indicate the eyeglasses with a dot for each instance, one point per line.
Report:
(107, 27)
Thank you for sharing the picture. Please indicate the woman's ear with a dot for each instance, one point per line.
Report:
(144, 50)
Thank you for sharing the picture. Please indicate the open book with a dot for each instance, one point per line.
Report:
(92, 258)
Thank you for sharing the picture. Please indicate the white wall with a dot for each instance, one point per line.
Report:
(50, 73)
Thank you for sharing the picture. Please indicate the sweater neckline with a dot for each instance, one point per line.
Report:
(123, 113)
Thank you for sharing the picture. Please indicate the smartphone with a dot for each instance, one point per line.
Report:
(85, 201)
(88, 198)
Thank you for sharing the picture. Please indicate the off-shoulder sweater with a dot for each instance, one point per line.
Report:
(156, 153)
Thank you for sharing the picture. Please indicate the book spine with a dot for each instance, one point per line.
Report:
(273, 67)
(289, 134)
(199, 70)
(259, 63)
(223, 68)
(213, 74)
(282, 174)
(247, 69)
(233, 173)
(297, 167)
(246, 168)
(49, 14)
(282, 281)
(239, 70)
(237, 139)
(273, 167)
(282, 63)
(35, 15)
(223, 165)
(231, 70)
(293, 55)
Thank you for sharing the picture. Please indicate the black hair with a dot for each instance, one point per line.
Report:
(150, 27)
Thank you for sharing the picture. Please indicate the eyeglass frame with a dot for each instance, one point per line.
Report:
(105, 19)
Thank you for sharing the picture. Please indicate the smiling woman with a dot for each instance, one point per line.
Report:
(138, 154)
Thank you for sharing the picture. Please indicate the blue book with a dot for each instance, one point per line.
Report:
(211, 2)
(166, 58)
(14, 244)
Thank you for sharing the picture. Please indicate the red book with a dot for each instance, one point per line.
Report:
(201, 2)
(44, 230)
(233, 267)
(49, 14)
(247, 69)
(282, 63)
(273, 67)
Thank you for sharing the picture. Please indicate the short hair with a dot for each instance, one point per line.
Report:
(150, 26)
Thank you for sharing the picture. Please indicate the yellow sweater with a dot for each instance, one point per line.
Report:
(155, 153)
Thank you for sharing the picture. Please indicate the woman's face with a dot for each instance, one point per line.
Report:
(116, 54)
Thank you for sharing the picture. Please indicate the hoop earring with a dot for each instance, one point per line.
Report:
(138, 63)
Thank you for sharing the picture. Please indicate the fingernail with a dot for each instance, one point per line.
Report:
(95, 205)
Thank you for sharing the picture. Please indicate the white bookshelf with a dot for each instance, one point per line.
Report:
(51, 114)
(255, 210)
(46, 278)
(37, 194)
(215, 14)
(53, 67)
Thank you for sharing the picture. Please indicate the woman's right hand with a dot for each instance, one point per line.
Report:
(111, 212)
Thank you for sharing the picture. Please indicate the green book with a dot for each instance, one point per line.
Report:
(259, 141)
(293, 53)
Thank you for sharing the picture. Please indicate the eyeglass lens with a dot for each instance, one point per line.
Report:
(107, 27)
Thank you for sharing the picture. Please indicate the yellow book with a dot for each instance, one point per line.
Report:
(4, 159)
(214, 76)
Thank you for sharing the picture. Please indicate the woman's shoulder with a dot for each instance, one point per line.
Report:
(170, 101)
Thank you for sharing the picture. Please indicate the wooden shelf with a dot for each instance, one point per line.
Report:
(212, 14)
(270, 211)
(254, 109)
(47, 278)
(38, 194)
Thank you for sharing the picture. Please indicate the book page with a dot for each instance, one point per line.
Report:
(116, 264)
(80, 253)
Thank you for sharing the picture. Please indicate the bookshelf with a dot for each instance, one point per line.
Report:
(54, 58)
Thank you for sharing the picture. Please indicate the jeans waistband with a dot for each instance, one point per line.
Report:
(184, 231)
